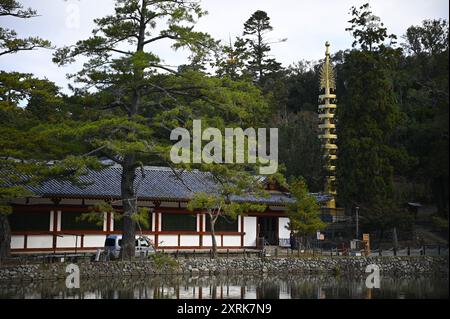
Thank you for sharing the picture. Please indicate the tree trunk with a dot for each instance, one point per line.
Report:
(5, 238)
(129, 204)
(213, 238)
(395, 238)
(260, 57)
(304, 242)
(129, 198)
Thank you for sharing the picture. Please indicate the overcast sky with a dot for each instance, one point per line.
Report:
(307, 24)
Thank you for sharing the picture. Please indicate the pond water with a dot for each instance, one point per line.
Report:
(233, 287)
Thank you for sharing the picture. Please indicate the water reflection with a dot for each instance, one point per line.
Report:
(233, 287)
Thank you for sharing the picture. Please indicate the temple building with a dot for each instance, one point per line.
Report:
(50, 221)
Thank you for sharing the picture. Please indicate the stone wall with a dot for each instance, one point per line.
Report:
(394, 265)
(336, 265)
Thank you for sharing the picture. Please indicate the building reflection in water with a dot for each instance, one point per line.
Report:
(231, 287)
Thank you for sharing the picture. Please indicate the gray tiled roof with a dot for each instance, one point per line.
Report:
(160, 183)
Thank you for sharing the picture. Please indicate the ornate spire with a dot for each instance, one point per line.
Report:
(327, 78)
(327, 126)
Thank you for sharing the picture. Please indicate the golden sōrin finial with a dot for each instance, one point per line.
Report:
(327, 126)
(327, 77)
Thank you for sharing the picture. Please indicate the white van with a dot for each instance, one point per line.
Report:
(113, 245)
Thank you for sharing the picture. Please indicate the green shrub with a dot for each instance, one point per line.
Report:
(163, 261)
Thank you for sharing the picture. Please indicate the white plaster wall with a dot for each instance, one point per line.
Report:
(250, 231)
(112, 222)
(93, 241)
(283, 232)
(40, 241)
(17, 242)
(58, 226)
(207, 241)
(151, 237)
(189, 240)
(67, 241)
(168, 240)
(52, 220)
(233, 241)
(105, 221)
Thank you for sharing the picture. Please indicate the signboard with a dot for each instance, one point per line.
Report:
(318, 235)
(322, 237)
(366, 241)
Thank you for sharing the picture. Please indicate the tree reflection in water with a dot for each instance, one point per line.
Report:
(283, 286)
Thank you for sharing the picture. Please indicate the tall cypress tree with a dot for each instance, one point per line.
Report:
(368, 117)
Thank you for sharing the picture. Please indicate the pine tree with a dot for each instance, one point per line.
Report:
(231, 61)
(23, 155)
(143, 99)
(122, 65)
(9, 40)
(28, 142)
(255, 30)
(304, 218)
(233, 181)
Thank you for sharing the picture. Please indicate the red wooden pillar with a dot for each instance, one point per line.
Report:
(156, 228)
(157, 221)
(55, 227)
(201, 229)
(108, 222)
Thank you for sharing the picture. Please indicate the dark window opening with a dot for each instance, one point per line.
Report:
(118, 223)
(179, 222)
(223, 224)
(72, 221)
(37, 221)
